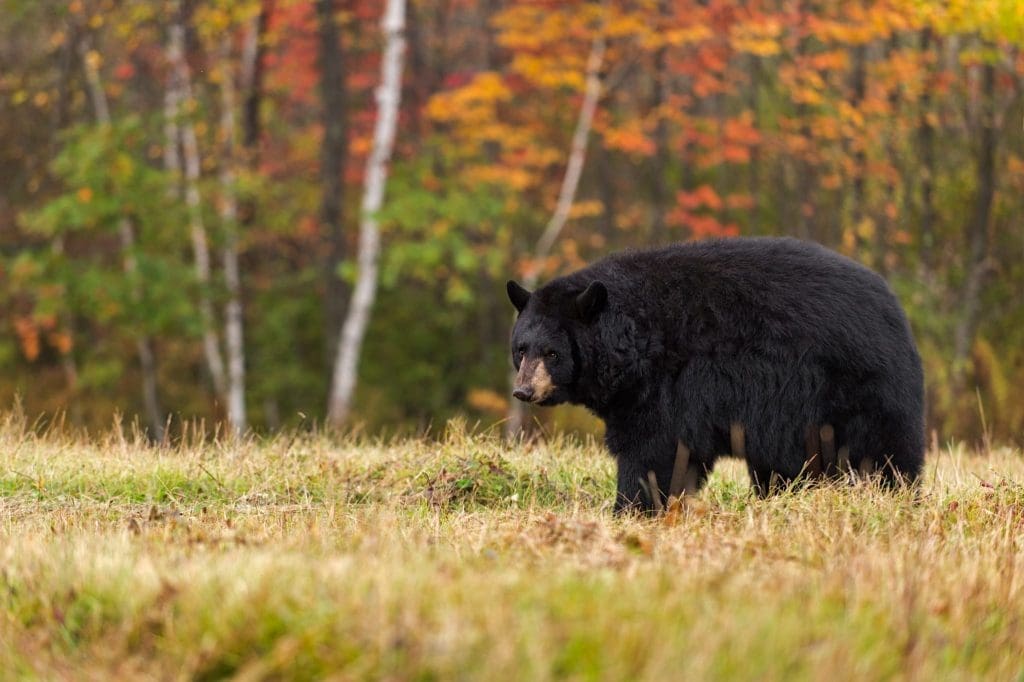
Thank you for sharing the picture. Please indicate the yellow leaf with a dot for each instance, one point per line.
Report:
(486, 400)
(866, 229)
(586, 209)
(123, 166)
(758, 38)
(93, 60)
(688, 35)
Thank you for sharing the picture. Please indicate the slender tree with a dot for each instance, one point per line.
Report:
(926, 146)
(388, 96)
(251, 81)
(978, 265)
(193, 201)
(234, 334)
(126, 233)
(333, 155)
(60, 119)
(659, 164)
(567, 190)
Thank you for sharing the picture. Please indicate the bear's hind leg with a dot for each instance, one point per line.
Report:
(890, 446)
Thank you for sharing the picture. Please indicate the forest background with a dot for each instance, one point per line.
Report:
(182, 182)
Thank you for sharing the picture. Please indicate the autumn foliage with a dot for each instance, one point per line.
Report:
(886, 129)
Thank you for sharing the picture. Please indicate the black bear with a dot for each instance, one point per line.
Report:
(779, 351)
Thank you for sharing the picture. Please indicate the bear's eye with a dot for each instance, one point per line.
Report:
(552, 355)
(521, 351)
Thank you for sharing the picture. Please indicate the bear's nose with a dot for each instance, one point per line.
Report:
(523, 393)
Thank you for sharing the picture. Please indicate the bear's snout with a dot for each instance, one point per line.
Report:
(524, 393)
(533, 383)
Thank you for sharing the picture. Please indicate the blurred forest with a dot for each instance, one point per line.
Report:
(180, 209)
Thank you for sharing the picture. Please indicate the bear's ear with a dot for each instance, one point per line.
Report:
(591, 301)
(518, 295)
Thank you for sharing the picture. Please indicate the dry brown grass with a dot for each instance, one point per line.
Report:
(305, 558)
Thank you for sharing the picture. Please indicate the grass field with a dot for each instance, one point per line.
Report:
(463, 558)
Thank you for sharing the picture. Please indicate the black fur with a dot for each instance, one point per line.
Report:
(684, 343)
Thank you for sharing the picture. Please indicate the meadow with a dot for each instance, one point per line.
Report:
(459, 556)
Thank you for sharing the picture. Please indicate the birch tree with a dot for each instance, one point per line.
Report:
(566, 192)
(126, 234)
(388, 96)
(228, 379)
(234, 335)
(181, 84)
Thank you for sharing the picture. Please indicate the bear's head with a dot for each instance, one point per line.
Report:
(545, 349)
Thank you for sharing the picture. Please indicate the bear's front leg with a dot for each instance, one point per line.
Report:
(629, 491)
(640, 447)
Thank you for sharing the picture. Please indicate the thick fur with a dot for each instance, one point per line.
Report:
(741, 346)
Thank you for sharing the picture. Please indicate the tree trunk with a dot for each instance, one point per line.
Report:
(884, 223)
(172, 133)
(566, 193)
(977, 229)
(126, 233)
(233, 321)
(59, 121)
(577, 157)
(334, 153)
(605, 185)
(251, 84)
(754, 172)
(858, 214)
(67, 360)
(193, 201)
(252, 77)
(388, 97)
(803, 169)
(660, 161)
(926, 142)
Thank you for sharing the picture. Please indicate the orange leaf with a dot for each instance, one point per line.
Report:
(702, 197)
(630, 141)
(61, 341)
(28, 335)
(741, 202)
(735, 153)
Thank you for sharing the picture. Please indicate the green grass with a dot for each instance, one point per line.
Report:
(465, 558)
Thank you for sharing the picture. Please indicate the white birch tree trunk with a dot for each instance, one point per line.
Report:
(233, 322)
(126, 233)
(566, 193)
(172, 134)
(388, 95)
(193, 201)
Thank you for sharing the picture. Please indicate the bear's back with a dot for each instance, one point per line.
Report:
(767, 294)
